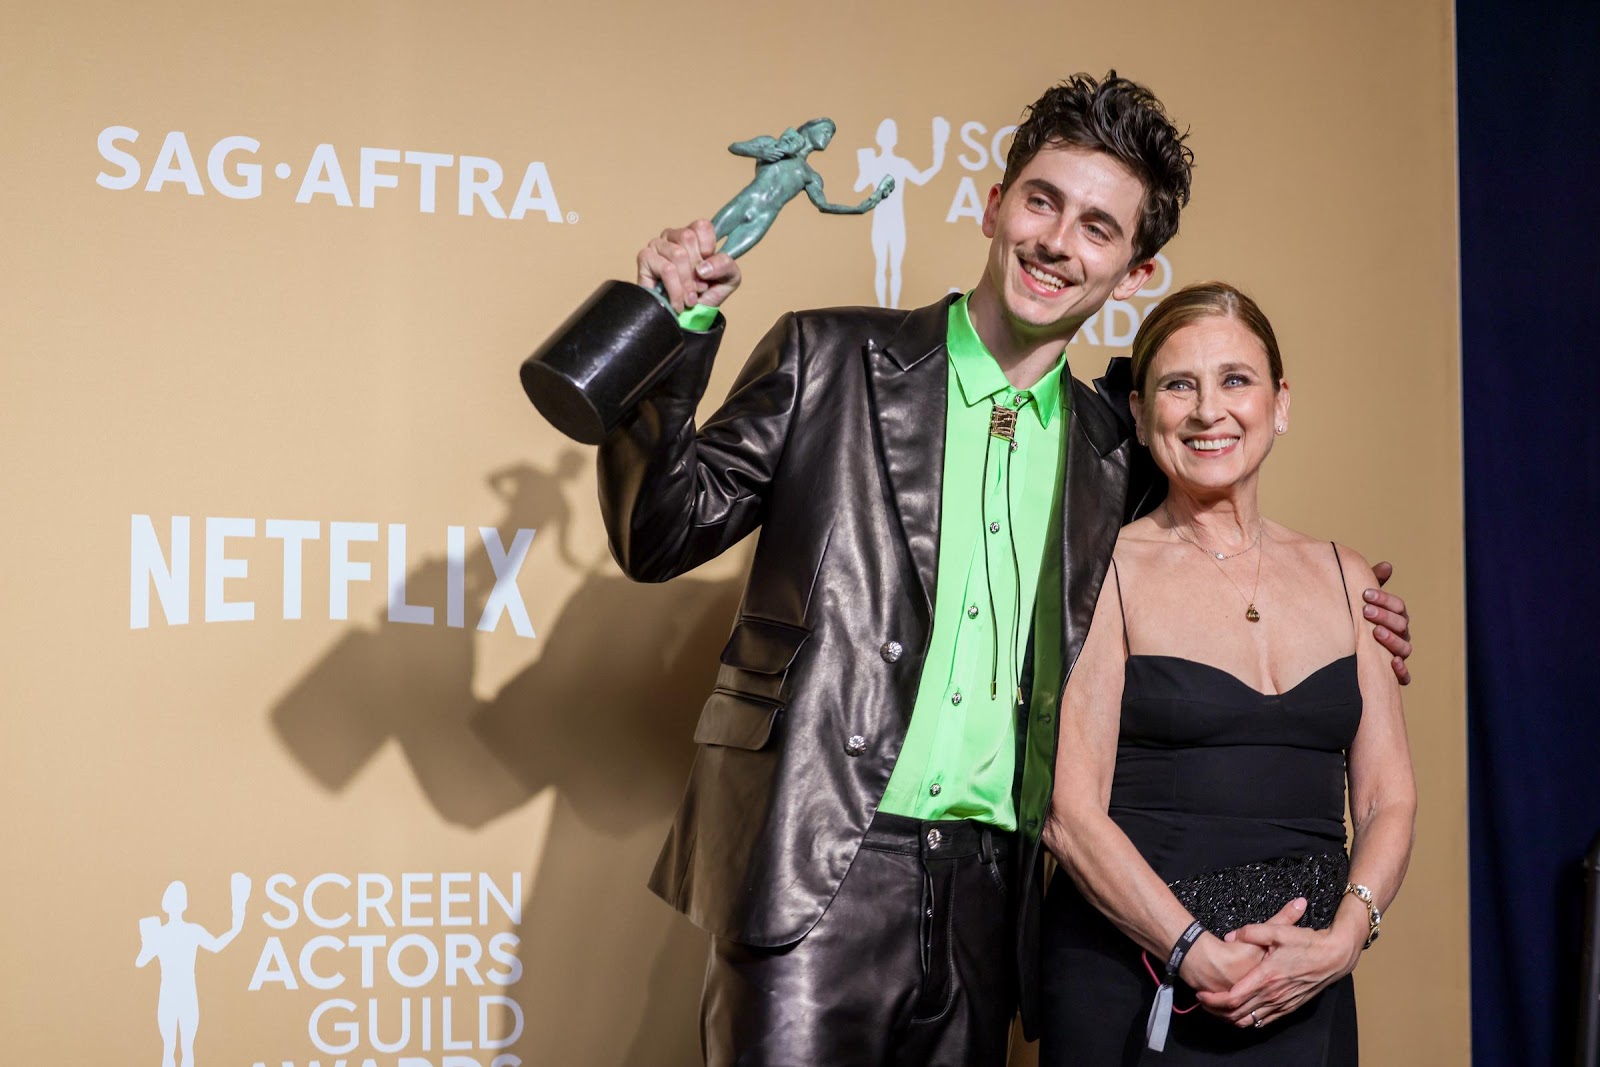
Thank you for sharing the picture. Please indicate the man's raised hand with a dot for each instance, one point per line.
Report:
(686, 264)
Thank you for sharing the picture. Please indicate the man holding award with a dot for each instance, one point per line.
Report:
(938, 500)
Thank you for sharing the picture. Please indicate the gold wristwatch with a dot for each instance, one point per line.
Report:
(1374, 916)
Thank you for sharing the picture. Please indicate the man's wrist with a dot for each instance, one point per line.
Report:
(698, 319)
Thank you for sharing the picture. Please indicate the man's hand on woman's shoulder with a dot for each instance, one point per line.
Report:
(1388, 614)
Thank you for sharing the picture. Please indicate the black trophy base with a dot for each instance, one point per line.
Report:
(589, 375)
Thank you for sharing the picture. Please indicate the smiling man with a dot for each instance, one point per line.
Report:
(938, 499)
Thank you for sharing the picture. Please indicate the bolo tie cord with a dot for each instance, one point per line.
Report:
(1016, 569)
(1016, 590)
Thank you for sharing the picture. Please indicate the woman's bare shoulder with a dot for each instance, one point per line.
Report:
(1285, 535)
(1312, 547)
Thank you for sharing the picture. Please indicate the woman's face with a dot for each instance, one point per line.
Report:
(1209, 412)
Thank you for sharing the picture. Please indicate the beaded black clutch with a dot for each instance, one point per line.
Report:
(1230, 897)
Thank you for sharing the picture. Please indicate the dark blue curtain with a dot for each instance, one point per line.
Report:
(1529, 111)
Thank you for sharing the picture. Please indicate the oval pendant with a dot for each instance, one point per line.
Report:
(1252, 614)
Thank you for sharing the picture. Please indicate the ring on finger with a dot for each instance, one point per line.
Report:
(1254, 1020)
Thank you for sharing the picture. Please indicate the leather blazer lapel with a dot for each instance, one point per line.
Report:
(1088, 512)
(1089, 509)
(1095, 485)
(910, 380)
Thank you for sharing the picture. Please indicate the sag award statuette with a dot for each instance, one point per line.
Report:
(592, 371)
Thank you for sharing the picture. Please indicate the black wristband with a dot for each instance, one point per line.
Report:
(1181, 949)
(1155, 1028)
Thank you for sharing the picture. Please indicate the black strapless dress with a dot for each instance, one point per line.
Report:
(1210, 773)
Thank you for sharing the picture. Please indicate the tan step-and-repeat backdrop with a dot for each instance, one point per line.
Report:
(332, 733)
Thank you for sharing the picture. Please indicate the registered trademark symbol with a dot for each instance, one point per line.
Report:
(572, 216)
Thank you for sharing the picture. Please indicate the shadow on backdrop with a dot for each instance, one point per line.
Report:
(604, 715)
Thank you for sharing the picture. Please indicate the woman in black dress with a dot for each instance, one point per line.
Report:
(1225, 696)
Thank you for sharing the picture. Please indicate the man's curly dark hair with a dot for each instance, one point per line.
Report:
(1125, 120)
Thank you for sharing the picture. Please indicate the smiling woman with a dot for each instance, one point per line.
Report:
(1220, 375)
(1227, 692)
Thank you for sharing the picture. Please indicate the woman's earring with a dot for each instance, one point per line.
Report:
(1282, 428)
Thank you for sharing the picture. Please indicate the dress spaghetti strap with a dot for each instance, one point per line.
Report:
(1122, 607)
(1345, 585)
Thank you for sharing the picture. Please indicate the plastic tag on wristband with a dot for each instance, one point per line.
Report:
(1155, 1028)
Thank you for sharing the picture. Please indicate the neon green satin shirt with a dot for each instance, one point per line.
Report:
(959, 756)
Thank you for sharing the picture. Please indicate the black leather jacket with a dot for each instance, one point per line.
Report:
(832, 441)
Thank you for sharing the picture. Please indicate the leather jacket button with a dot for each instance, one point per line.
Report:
(856, 745)
(891, 651)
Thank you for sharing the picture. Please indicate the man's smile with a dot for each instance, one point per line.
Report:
(1043, 279)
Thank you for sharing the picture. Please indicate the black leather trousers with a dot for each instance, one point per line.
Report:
(910, 965)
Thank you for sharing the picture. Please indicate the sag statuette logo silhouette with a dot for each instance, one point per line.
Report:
(889, 220)
(174, 944)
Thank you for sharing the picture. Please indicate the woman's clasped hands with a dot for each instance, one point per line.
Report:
(1257, 974)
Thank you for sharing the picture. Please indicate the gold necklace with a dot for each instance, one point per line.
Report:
(1250, 611)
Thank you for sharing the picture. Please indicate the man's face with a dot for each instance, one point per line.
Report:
(1061, 240)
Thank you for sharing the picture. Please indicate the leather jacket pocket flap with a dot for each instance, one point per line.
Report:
(737, 720)
(763, 647)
